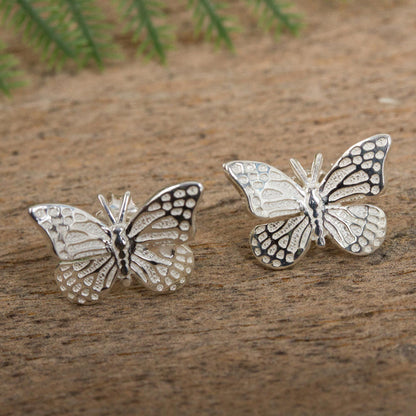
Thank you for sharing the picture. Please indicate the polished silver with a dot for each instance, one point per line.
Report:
(123, 242)
(310, 208)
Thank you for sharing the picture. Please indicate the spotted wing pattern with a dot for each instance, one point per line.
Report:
(269, 192)
(84, 281)
(281, 243)
(358, 229)
(359, 172)
(162, 268)
(159, 257)
(74, 233)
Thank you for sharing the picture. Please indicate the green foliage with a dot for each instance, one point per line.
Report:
(44, 27)
(76, 31)
(93, 39)
(61, 30)
(140, 15)
(10, 77)
(215, 25)
(272, 15)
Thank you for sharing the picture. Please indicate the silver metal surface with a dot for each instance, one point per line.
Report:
(310, 209)
(123, 242)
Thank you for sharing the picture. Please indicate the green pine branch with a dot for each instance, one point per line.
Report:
(61, 30)
(142, 17)
(44, 27)
(274, 15)
(208, 19)
(75, 30)
(93, 38)
(10, 76)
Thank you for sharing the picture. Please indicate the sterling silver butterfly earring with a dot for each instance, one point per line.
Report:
(124, 242)
(311, 208)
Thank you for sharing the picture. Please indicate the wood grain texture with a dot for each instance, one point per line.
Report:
(336, 335)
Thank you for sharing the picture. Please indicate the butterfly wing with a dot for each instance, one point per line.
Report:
(162, 268)
(359, 172)
(84, 281)
(280, 244)
(159, 257)
(83, 244)
(74, 233)
(358, 229)
(269, 192)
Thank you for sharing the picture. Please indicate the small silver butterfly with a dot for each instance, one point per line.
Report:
(147, 244)
(358, 229)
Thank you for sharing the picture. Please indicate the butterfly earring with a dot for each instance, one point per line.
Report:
(311, 208)
(124, 242)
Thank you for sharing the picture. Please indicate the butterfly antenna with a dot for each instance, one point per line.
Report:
(124, 205)
(316, 167)
(104, 203)
(299, 171)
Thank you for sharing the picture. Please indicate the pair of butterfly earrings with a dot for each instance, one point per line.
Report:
(151, 243)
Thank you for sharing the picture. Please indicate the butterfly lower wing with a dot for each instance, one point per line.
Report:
(359, 172)
(358, 229)
(280, 244)
(85, 281)
(269, 192)
(162, 268)
(74, 233)
(159, 257)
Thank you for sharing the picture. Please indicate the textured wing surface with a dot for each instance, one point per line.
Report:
(359, 172)
(84, 281)
(281, 243)
(269, 192)
(162, 268)
(168, 217)
(358, 229)
(74, 233)
(158, 233)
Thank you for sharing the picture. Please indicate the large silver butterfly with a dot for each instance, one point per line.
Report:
(358, 229)
(147, 244)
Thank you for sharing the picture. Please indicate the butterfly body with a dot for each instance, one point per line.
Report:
(121, 244)
(146, 244)
(312, 208)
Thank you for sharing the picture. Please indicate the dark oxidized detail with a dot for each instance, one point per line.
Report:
(122, 249)
(313, 208)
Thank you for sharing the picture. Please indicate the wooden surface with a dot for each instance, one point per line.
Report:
(336, 335)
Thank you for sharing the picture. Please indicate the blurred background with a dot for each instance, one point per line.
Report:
(44, 37)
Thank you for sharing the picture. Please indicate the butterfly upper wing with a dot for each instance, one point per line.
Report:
(359, 172)
(269, 192)
(358, 229)
(74, 233)
(158, 233)
(167, 218)
(82, 243)
(280, 244)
